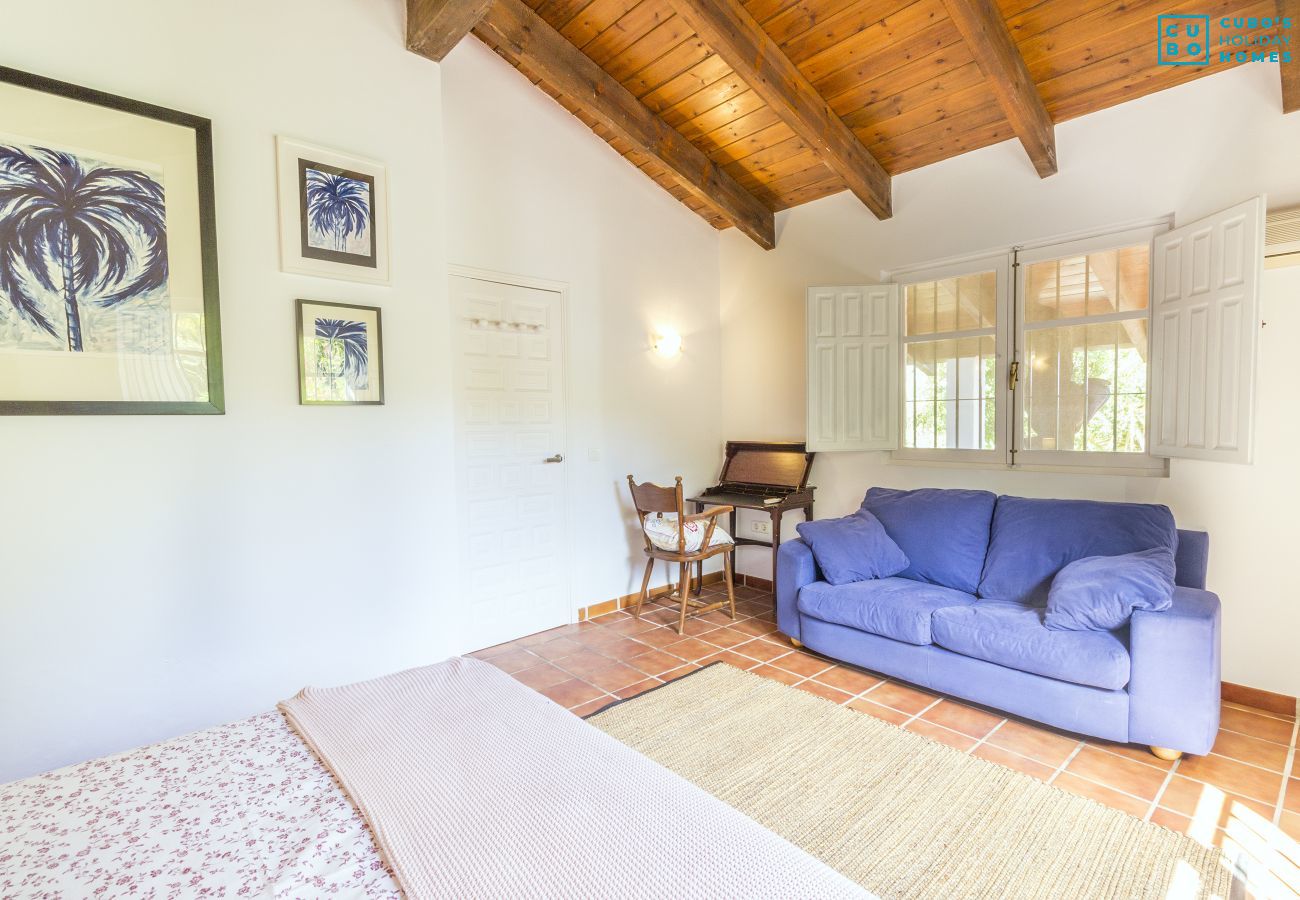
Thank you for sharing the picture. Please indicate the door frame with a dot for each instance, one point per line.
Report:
(561, 290)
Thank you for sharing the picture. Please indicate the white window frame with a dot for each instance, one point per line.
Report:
(1009, 264)
(1000, 265)
(1079, 460)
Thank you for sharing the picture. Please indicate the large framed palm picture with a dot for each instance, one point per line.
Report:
(108, 254)
(333, 213)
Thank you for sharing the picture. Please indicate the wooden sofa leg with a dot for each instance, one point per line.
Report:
(1166, 754)
(796, 643)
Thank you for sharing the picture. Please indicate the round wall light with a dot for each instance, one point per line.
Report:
(666, 342)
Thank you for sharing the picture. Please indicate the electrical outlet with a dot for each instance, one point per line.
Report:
(760, 527)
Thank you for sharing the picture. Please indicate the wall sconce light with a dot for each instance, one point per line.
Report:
(667, 343)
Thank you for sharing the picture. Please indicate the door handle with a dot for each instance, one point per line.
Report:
(557, 458)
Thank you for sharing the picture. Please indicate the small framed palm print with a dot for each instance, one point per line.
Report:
(333, 213)
(340, 355)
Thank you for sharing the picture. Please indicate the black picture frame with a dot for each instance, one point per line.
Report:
(369, 261)
(207, 223)
(375, 353)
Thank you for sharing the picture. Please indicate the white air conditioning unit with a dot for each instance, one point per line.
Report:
(1282, 238)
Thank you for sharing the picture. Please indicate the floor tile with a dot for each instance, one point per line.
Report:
(653, 662)
(557, 648)
(941, 734)
(962, 718)
(639, 688)
(1251, 750)
(1109, 796)
(1185, 795)
(572, 693)
(732, 659)
(540, 676)
(901, 697)
(776, 674)
(1292, 801)
(1256, 724)
(1171, 820)
(630, 627)
(759, 649)
(690, 649)
(591, 706)
(1135, 752)
(674, 674)
(835, 695)
(756, 627)
(1290, 824)
(996, 754)
(850, 680)
(1117, 772)
(1238, 777)
(888, 713)
(802, 663)
(514, 659)
(1036, 743)
(727, 638)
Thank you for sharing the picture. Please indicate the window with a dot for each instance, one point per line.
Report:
(1046, 368)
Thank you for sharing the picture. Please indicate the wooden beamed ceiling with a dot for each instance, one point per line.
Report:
(787, 101)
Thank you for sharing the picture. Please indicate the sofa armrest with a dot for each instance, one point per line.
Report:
(1176, 676)
(795, 567)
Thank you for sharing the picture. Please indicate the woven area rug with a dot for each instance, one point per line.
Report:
(902, 815)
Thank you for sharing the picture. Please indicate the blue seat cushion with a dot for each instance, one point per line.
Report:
(944, 533)
(897, 608)
(1013, 635)
(1035, 539)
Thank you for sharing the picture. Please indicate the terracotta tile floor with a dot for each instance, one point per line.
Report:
(1244, 796)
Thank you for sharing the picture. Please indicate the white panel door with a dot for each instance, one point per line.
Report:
(510, 444)
(1205, 327)
(853, 368)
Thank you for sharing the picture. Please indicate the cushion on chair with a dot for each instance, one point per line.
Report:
(897, 608)
(662, 532)
(853, 548)
(1035, 539)
(945, 533)
(1013, 635)
(1099, 593)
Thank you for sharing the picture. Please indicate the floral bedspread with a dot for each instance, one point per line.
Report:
(242, 810)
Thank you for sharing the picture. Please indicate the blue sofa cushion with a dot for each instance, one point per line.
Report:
(945, 533)
(1013, 635)
(1099, 593)
(854, 548)
(897, 608)
(1035, 539)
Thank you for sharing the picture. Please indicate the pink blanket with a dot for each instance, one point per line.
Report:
(475, 786)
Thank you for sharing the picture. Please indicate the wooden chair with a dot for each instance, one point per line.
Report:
(653, 500)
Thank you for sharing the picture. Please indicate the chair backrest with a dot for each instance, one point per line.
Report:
(651, 498)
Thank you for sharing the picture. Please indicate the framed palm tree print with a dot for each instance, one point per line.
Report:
(340, 355)
(108, 254)
(333, 213)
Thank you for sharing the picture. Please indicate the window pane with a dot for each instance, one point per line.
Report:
(966, 303)
(1098, 284)
(949, 397)
(1086, 388)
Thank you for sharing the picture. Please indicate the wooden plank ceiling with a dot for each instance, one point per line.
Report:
(915, 81)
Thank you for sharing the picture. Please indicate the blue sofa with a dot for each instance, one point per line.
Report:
(965, 618)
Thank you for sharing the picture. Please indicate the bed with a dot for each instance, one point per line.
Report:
(448, 781)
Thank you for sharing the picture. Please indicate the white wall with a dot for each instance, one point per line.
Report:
(1188, 151)
(167, 574)
(531, 191)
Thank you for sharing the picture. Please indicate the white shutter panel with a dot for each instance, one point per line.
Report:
(1205, 325)
(853, 368)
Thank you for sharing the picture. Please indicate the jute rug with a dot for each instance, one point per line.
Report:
(900, 814)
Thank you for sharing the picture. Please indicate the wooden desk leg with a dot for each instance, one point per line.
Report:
(776, 545)
(807, 513)
(699, 566)
(731, 520)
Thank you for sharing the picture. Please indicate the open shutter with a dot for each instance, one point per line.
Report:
(1205, 326)
(853, 368)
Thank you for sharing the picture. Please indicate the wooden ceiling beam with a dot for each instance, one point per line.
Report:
(985, 32)
(517, 33)
(1290, 69)
(726, 27)
(433, 27)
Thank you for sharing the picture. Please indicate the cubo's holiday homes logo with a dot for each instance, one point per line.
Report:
(1193, 40)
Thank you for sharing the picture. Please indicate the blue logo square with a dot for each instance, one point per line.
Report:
(1183, 40)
